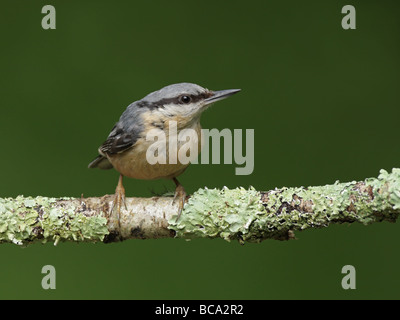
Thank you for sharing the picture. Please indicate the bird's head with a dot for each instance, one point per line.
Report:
(183, 100)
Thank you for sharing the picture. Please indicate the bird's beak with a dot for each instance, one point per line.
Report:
(219, 95)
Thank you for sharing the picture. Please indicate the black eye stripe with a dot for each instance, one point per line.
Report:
(176, 100)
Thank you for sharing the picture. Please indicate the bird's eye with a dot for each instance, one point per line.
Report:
(185, 99)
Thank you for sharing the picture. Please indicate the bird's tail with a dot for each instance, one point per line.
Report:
(100, 162)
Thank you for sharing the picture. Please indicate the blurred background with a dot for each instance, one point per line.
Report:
(323, 101)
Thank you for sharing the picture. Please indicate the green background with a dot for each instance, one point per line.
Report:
(323, 101)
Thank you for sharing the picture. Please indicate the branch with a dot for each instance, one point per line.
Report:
(237, 214)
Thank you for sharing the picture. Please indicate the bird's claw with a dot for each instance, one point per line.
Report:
(119, 200)
(180, 195)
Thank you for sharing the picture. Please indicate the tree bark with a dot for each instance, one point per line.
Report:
(231, 214)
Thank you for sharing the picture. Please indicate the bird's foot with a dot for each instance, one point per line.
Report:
(180, 197)
(119, 201)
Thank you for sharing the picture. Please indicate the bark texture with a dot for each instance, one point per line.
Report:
(246, 215)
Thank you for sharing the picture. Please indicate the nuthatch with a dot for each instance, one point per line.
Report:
(126, 146)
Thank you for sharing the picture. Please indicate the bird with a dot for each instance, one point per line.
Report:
(126, 147)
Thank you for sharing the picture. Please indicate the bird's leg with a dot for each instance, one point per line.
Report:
(119, 199)
(180, 195)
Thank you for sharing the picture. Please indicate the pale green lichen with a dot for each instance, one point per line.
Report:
(25, 219)
(244, 215)
(219, 213)
(248, 215)
(389, 184)
(66, 224)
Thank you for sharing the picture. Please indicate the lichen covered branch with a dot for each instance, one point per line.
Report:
(231, 214)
